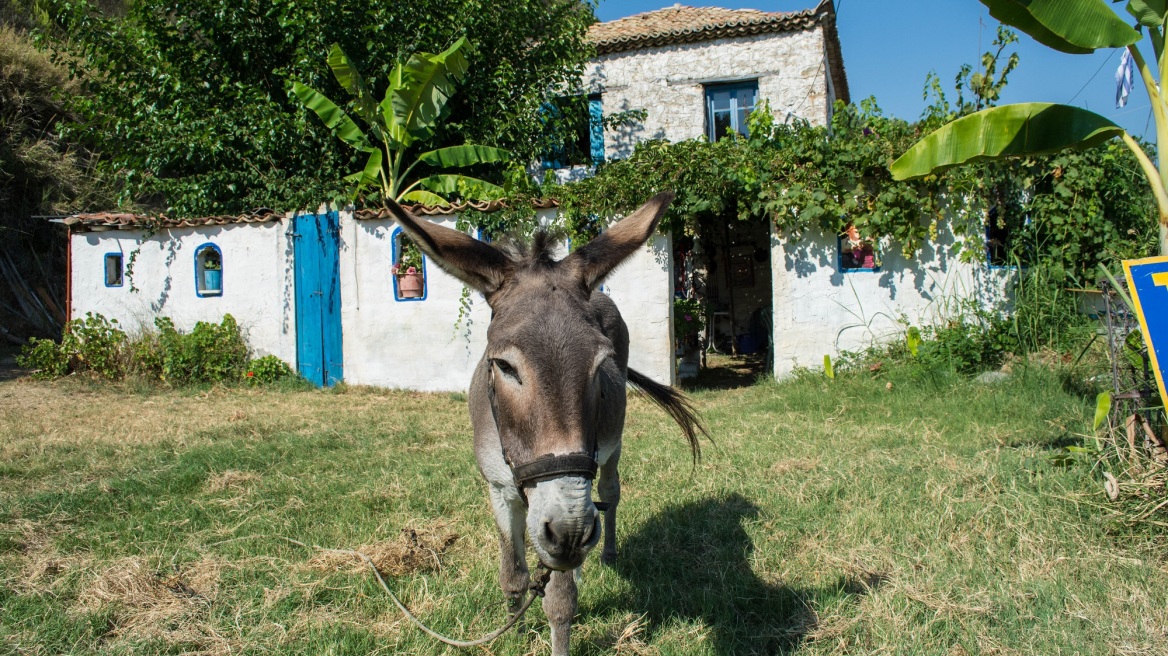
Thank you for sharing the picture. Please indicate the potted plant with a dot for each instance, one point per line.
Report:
(859, 252)
(212, 271)
(408, 270)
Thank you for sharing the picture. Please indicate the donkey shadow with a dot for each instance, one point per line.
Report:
(692, 562)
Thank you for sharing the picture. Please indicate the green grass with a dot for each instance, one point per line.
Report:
(830, 517)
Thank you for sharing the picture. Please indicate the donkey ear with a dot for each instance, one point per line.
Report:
(600, 256)
(479, 265)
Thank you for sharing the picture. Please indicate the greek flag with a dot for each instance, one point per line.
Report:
(1123, 79)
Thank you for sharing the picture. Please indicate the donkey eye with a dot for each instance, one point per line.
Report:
(507, 370)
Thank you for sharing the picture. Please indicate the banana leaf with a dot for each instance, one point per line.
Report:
(347, 74)
(424, 197)
(366, 177)
(1149, 13)
(465, 155)
(396, 131)
(334, 117)
(1021, 129)
(463, 185)
(428, 81)
(1072, 26)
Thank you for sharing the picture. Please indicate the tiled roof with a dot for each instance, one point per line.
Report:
(98, 221)
(683, 24)
(127, 221)
(440, 210)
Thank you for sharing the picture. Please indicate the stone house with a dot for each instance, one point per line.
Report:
(698, 72)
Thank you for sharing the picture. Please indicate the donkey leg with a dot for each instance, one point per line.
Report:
(559, 604)
(511, 518)
(609, 490)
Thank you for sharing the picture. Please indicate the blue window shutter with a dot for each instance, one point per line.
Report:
(596, 128)
(553, 159)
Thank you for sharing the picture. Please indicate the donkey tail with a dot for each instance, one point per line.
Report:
(676, 404)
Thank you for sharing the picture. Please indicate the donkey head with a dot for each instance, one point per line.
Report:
(552, 365)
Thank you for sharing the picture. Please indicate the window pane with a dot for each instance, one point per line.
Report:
(721, 125)
(113, 270)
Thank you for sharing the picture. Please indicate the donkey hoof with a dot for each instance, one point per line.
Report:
(608, 557)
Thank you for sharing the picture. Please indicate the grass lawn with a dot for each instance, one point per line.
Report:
(831, 517)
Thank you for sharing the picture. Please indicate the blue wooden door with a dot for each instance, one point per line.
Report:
(316, 239)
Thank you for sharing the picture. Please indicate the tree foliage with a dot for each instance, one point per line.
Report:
(191, 100)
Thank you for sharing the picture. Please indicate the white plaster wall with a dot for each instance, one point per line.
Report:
(668, 82)
(818, 310)
(257, 281)
(413, 344)
(642, 289)
(389, 343)
(404, 344)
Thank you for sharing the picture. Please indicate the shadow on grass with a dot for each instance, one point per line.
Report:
(724, 372)
(691, 563)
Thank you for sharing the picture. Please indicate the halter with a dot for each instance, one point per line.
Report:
(545, 467)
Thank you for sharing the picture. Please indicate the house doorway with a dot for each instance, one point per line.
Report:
(316, 264)
(726, 267)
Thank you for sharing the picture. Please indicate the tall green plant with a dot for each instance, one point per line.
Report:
(414, 104)
(1075, 27)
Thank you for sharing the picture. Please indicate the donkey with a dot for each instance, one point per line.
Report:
(547, 400)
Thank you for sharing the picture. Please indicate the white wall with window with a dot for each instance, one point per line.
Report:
(190, 275)
(415, 344)
(388, 340)
(825, 303)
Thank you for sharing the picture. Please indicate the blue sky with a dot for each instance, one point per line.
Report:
(890, 45)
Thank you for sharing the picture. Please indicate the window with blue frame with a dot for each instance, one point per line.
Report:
(856, 254)
(728, 106)
(208, 270)
(408, 268)
(577, 123)
(114, 269)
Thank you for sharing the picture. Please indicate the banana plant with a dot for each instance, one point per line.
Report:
(415, 102)
(1074, 27)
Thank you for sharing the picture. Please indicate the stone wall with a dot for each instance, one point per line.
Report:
(668, 82)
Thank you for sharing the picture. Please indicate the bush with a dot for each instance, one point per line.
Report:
(268, 369)
(93, 344)
(210, 353)
(45, 358)
(969, 344)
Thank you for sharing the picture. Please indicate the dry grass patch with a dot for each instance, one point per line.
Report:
(149, 604)
(231, 480)
(414, 551)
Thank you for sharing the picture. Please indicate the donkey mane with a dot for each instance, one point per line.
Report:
(536, 253)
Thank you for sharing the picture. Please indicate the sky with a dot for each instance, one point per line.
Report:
(889, 47)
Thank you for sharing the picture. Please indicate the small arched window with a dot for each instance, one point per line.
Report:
(208, 270)
(409, 268)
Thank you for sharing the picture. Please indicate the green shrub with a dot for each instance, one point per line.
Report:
(45, 358)
(209, 353)
(93, 344)
(968, 345)
(268, 369)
